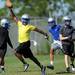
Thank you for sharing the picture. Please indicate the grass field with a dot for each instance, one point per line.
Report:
(14, 67)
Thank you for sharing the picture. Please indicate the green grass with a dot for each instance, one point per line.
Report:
(15, 67)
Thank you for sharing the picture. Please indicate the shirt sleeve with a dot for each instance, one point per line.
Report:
(19, 23)
(32, 27)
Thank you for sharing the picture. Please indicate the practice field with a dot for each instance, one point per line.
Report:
(14, 67)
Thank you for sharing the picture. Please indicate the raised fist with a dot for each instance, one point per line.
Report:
(9, 4)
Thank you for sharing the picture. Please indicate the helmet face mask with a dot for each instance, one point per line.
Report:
(25, 19)
(51, 22)
(67, 20)
(5, 23)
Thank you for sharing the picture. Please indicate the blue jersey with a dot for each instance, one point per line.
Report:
(55, 31)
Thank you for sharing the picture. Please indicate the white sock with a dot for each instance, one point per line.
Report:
(2, 66)
(51, 62)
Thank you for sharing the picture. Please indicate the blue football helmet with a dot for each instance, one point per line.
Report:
(51, 22)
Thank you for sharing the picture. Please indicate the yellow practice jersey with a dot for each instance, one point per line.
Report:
(24, 32)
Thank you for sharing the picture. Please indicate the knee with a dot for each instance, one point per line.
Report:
(51, 51)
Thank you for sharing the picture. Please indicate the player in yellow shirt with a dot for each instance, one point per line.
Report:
(24, 30)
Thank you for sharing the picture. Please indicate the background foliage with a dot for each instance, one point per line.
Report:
(41, 7)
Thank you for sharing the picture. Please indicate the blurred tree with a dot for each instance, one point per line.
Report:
(42, 7)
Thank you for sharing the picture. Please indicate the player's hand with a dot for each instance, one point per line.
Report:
(69, 37)
(46, 36)
(14, 51)
(9, 4)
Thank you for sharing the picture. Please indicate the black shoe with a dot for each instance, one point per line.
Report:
(43, 70)
(26, 67)
(72, 65)
(50, 67)
(68, 69)
(2, 70)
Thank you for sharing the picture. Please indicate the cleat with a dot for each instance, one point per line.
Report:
(43, 70)
(2, 70)
(68, 69)
(50, 67)
(72, 67)
(26, 67)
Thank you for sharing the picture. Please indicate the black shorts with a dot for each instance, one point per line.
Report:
(24, 49)
(68, 49)
(2, 52)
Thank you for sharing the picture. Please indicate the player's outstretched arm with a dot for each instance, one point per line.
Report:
(10, 6)
(64, 38)
(42, 32)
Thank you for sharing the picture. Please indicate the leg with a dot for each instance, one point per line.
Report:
(27, 53)
(36, 61)
(51, 56)
(72, 55)
(66, 50)
(19, 56)
(43, 68)
(67, 63)
(72, 62)
(51, 59)
(55, 45)
(2, 64)
(0, 61)
(19, 53)
(66, 60)
(2, 56)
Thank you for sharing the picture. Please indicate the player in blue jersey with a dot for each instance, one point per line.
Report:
(54, 30)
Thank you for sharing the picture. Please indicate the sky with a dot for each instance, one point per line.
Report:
(2, 3)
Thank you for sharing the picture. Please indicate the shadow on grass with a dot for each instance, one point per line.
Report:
(64, 72)
(29, 71)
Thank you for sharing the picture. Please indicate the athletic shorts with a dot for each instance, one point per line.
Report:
(3, 50)
(56, 45)
(68, 49)
(24, 49)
